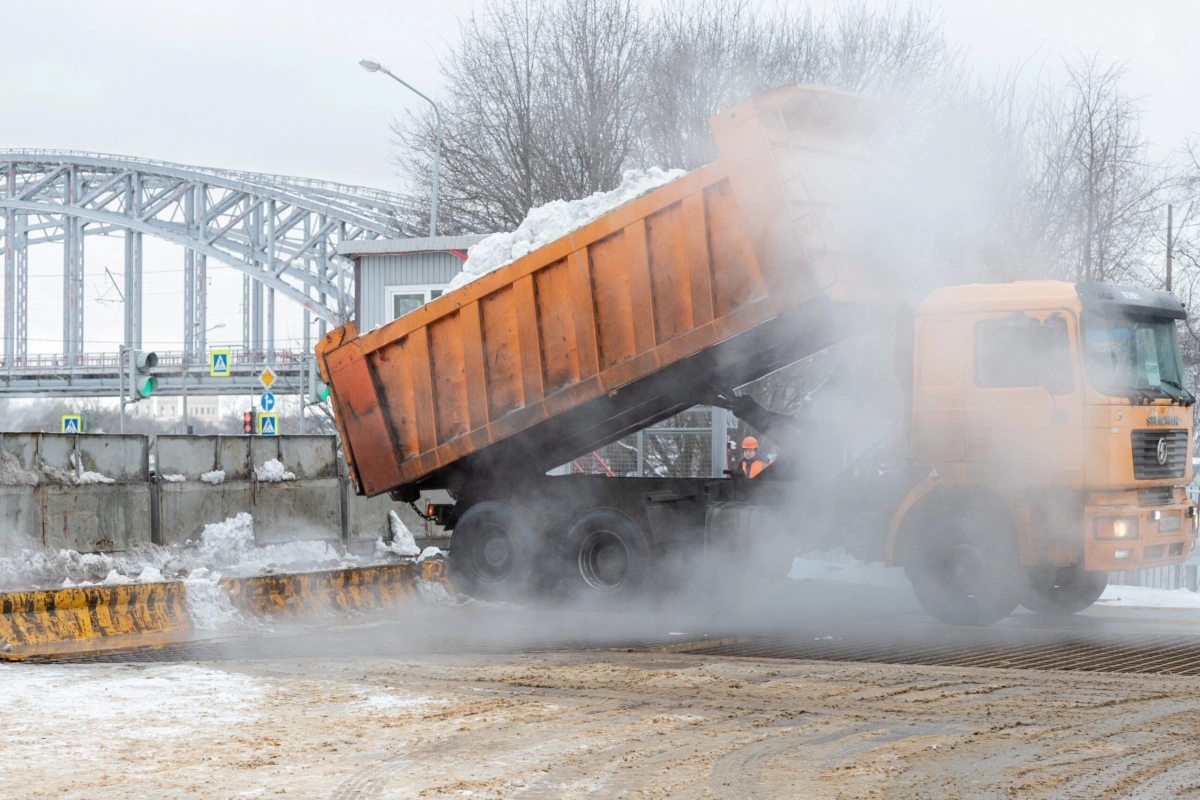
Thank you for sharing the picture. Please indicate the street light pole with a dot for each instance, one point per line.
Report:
(372, 64)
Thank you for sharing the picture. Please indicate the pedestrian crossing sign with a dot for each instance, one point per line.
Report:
(218, 363)
(72, 423)
(268, 424)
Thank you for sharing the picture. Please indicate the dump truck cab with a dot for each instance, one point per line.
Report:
(1056, 429)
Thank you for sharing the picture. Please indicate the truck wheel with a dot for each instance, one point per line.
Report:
(491, 551)
(1062, 590)
(966, 572)
(605, 555)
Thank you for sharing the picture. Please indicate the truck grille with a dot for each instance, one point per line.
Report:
(1155, 495)
(1146, 466)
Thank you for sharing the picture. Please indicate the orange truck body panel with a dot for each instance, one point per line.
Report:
(725, 248)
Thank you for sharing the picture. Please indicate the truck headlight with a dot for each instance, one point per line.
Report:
(1116, 528)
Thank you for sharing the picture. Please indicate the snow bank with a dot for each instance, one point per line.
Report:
(1145, 597)
(272, 472)
(836, 565)
(555, 220)
(173, 478)
(217, 476)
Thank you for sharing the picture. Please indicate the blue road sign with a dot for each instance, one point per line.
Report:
(71, 423)
(218, 363)
(268, 424)
(267, 401)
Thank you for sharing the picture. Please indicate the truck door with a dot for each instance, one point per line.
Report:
(939, 364)
(1024, 408)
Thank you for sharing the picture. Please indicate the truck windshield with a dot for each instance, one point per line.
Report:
(1133, 355)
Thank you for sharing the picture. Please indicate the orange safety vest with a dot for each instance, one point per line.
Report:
(754, 466)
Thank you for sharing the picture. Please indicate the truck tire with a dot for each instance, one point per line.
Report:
(492, 552)
(605, 556)
(1062, 590)
(965, 569)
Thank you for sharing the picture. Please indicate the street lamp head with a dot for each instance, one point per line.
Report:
(371, 64)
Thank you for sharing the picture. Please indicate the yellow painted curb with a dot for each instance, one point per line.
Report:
(81, 621)
(40, 617)
(305, 593)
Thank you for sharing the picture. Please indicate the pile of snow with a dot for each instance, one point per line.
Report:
(173, 478)
(271, 472)
(555, 220)
(432, 552)
(1145, 597)
(402, 544)
(229, 546)
(836, 565)
(217, 476)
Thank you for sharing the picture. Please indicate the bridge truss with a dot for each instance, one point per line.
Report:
(282, 233)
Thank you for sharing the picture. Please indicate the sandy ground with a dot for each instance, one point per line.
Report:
(600, 724)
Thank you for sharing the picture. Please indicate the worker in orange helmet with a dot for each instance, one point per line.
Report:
(752, 464)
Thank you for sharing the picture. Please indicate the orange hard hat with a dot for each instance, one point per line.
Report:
(749, 442)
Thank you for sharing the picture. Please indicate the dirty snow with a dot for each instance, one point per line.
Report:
(836, 565)
(555, 220)
(273, 472)
(11, 473)
(88, 477)
(173, 478)
(217, 476)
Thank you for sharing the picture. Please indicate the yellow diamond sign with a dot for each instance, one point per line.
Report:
(266, 378)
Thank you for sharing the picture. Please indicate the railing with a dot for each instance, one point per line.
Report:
(240, 360)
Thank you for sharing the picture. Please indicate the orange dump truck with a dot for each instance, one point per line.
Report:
(721, 277)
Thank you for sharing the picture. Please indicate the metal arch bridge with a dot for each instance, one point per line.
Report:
(281, 232)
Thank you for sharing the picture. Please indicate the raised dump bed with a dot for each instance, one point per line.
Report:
(715, 279)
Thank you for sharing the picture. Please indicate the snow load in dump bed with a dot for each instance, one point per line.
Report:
(715, 278)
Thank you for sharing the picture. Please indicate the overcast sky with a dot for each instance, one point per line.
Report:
(275, 87)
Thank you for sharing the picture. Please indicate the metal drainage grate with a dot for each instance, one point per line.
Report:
(987, 647)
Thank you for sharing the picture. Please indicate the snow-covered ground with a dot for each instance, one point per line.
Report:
(837, 566)
(1146, 597)
(555, 220)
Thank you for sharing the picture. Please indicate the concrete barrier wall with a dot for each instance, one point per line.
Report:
(41, 503)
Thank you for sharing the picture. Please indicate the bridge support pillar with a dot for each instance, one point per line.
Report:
(133, 266)
(270, 326)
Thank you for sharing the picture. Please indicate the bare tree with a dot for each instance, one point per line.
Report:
(494, 115)
(595, 83)
(1111, 184)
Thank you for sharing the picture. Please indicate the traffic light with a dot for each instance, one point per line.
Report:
(142, 382)
(248, 421)
(317, 391)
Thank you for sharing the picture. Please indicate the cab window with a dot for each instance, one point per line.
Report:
(1020, 351)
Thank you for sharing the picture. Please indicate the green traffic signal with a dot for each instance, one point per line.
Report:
(143, 384)
(322, 391)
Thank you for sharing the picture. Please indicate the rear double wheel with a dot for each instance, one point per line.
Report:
(492, 552)
(1062, 590)
(965, 569)
(605, 556)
